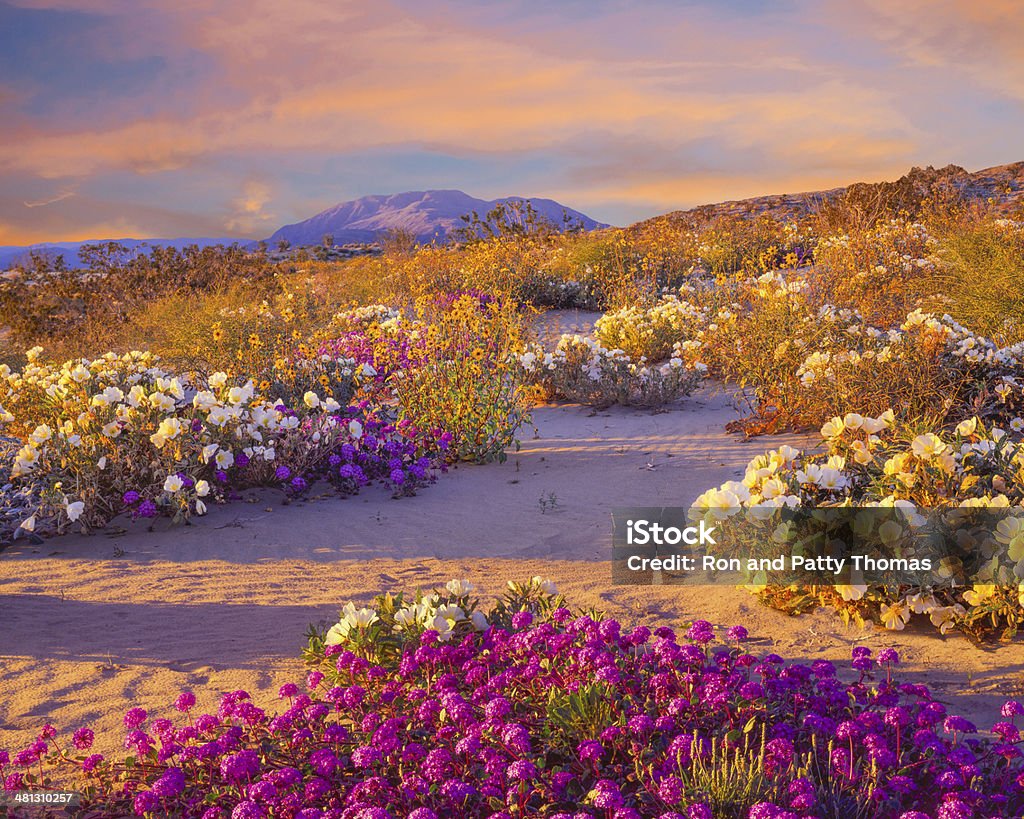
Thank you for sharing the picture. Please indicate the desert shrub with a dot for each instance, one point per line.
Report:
(531, 709)
(804, 363)
(80, 312)
(737, 244)
(756, 335)
(879, 271)
(979, 267)
(122, 434)
(649, 333)
(463, 375)
(930, 363)
(878, 463)
(581, 370)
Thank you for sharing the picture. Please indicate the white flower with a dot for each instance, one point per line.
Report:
(833, 428)
(853, 421)
(81, 374)
(173, 483)
(546, 586)
(202, 489)
(74, 510)
(311, 400)
(927, 446)
(204, 400)
(224, 459)
(169, 429)
(944, 617)
(460, 588)
(853, 591)
(161, 401)
(111, 395)
(351, 618)
(240, 395)
(896, 616)
(218, 380)
(29, 524)
(479, 621)
(355, 429)
(200, 508)
(967, 428)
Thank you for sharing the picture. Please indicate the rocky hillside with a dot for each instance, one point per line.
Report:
(1002, 187)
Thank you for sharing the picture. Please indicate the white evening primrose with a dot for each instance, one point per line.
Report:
(967, 428)
(833, 428)
(460, 588)
(204, 400)
(927, 446)
(202, 488)
(896, 616)
(852, 591)
(173, 483)
(162, 401)
(74, 510)
(311, 399)
(80, 374)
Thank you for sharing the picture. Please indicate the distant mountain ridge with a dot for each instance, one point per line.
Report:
(433, 214)
(14, 254)
(428, 215)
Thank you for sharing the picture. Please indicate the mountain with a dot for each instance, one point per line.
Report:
(15, 254)
(1000, 187)
(426, 214)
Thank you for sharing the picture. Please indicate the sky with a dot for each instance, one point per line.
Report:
(229, 118)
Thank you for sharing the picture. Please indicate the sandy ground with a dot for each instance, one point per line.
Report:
(92, 625)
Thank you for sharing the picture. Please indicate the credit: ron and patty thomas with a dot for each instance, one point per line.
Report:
(835, 546)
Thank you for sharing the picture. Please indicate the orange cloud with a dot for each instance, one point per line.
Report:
(453, 88)
(249, 214)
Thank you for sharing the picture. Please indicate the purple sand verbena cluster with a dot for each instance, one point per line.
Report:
(561, 715)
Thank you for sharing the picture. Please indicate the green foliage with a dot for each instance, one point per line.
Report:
(979, 274)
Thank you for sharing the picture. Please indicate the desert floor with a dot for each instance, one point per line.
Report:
(91, 625)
